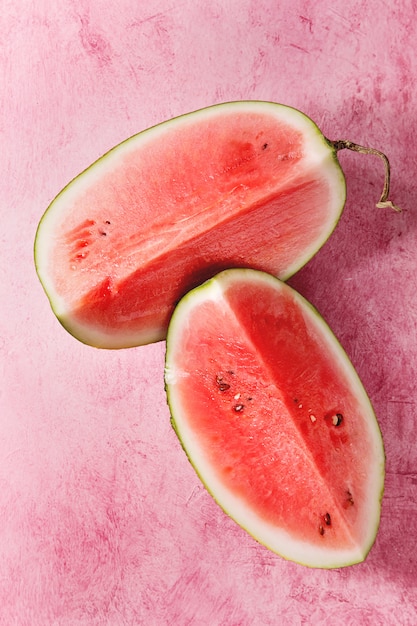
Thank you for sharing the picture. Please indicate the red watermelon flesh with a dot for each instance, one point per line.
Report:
(245, 184)
(274, 418)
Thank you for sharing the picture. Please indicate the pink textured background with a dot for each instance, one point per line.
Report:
(102, 520)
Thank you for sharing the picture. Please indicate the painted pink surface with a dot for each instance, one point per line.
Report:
(102, 519)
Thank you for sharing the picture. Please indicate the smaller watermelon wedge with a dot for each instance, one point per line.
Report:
(274, 418)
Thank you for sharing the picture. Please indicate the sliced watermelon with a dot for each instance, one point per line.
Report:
(274, 418)
(251, 184)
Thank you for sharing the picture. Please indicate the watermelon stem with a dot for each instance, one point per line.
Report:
(384, 202)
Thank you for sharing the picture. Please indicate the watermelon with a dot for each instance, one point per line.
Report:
(274, 418)
(252, 184)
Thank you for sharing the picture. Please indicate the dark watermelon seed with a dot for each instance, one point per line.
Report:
(349, 498)
(264, 147)
(221, 384)
(327, 519)
(321, 530)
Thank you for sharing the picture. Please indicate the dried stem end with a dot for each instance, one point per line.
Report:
(384, 202)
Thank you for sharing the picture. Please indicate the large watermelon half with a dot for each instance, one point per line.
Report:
(251, 184)
(274, 418)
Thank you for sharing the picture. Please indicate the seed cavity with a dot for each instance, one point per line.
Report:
(239, 407)
(337, 419)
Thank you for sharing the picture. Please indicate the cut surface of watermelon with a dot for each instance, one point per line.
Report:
(274, 418)
(251, 184)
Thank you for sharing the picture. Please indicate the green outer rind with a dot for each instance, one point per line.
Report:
(171, 338)
(111, 341)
